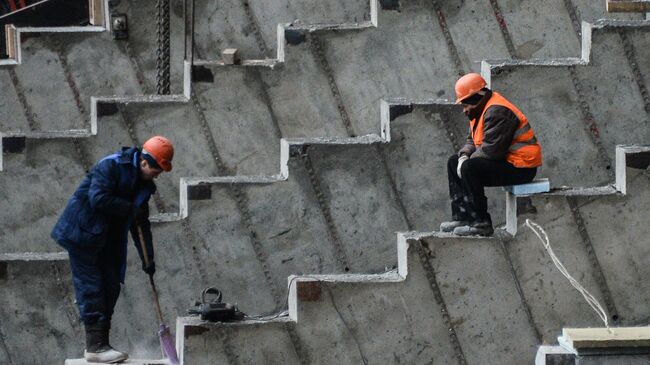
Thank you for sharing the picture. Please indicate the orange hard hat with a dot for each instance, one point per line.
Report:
(469, 85)
(161, 149)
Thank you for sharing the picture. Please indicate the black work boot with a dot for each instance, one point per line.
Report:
(97, 347)
(478, 228)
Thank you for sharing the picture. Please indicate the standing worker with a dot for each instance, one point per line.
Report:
(111, 200)
(501, 149)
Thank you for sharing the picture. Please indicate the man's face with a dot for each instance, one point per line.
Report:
(467, 108)
(147, 172)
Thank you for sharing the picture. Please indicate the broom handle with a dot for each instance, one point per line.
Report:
(153, 285)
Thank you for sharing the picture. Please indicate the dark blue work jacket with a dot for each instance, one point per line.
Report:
(107, 199)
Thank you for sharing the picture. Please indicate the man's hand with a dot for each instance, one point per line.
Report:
(151, 269)
(461, 160)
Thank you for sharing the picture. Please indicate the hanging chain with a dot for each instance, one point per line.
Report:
(163, 51)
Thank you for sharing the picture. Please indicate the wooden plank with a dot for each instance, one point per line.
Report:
(628, 6)
(599, 338)
(96, 8)
(11, 41)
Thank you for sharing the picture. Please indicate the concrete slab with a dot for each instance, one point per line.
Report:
(291, 227)
(301, 98)
(365, 225)
(12, 116)
(553, 302)
(248, 344)
(39, 311)
(471, 44)
(243, 125)
(221, 25)
(37, 184)
(215, 243)
(618, 240)
(553, 109)
(613, 95)
(270, 13)
(389, 62)
(99, 52)
(546, 36)
(376, 323)
(38, 87)
(482, 300)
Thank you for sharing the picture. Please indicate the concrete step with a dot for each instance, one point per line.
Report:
(580, 79)
(130, 362)
(367, 317)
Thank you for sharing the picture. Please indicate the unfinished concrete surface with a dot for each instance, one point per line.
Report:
(464, 301)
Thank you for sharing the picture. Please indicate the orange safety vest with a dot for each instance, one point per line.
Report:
(524, 150)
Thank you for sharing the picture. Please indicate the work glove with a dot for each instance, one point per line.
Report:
(151, 269)
(461, 160)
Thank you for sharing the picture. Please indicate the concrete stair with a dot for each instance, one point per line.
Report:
(262, 242)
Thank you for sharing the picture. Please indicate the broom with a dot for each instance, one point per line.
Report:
(165, 336)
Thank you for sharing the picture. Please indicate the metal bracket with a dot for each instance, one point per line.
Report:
(119, 26)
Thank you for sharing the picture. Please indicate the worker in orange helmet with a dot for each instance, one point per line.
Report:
(501, 149)
(111, 201)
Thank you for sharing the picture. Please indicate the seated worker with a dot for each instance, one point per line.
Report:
(110, 201)
(501, 149)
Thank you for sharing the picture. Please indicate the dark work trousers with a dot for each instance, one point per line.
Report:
(96, 279)
(468, 201)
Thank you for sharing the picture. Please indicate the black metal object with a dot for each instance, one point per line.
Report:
(3, 270)
(119, 26)
(214, 310)
(199, 192)
(13, 144)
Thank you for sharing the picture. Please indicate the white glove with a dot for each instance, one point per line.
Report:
(461, 159)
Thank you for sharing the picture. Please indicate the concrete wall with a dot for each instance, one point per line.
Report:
(342, 204)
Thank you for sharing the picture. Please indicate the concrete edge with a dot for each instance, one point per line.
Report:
(302, 28)
(33, 256)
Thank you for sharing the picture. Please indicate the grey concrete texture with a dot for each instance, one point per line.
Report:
(38, 87)
(349, 322)
(12, 118)
(251, 344)
(482, 300)
(37, 314)
(247, 110)
(547, 35)
(36, 187)
(620, 241)
(618, 107)
(553, 302)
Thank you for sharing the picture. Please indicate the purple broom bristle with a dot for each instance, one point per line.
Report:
(167, 344)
